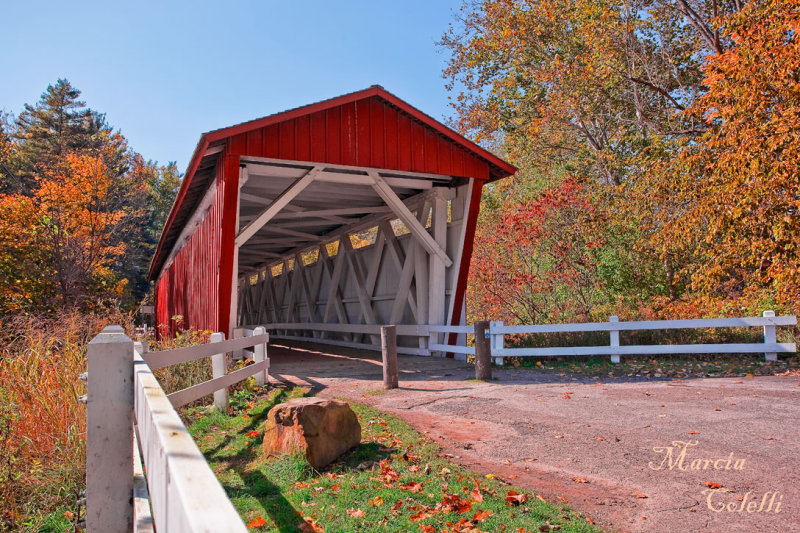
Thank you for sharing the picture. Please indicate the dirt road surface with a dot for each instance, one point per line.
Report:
(674, 455)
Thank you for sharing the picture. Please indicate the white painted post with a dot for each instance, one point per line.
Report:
(770, 337)
(496, 341)
(109, 417)
(614, 334)
(218, 369)
(260, 354)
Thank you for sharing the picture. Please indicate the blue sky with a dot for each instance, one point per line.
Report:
(164, 72)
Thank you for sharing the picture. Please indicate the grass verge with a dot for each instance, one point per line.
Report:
(395, 480)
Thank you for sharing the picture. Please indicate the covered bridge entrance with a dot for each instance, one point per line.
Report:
(359, 210)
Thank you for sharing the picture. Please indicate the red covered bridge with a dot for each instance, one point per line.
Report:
(358, 210)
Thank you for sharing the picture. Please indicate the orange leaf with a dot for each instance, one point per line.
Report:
(356, 513)
(580, 480)
(640, 495)
(416, 517)
(482, 515)
(513, 498)
(256, 522)
(712, 485)
(413, 486)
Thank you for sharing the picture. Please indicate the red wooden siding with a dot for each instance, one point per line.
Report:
(190, 286)
(364, 133)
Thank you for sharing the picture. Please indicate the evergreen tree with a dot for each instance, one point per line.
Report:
(58, 124)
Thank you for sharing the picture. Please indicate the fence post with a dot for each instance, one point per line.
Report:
(497, 341)
(614, 334)
(483, 351)
(770, 337)
(219, 367)
(389, 354)
(109, 432)
(260, 354)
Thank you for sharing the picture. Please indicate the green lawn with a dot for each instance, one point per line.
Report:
(396, 480)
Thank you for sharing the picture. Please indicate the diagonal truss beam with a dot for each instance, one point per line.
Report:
(277, 204)
(403, 213)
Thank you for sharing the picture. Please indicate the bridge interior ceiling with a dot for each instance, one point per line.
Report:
(351, 245)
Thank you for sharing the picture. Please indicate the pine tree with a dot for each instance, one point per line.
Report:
(58, 124)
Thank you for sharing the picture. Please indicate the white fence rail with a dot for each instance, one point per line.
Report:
(430, 333)
(768, 321)
(179, 492)
(437, 337)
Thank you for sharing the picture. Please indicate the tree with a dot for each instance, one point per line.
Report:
(57, 125)
(730, 200)
(81, 211)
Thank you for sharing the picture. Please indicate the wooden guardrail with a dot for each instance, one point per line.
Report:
(181, 492)
(768, 321)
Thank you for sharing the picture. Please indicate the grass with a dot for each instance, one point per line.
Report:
(395, 480)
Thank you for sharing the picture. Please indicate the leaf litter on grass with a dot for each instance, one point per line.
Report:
(396, 480)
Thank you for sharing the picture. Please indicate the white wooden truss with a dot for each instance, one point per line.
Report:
(297, 262)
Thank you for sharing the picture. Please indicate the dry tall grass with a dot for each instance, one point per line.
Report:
(42, 424)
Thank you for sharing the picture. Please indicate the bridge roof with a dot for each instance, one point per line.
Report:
(371, 128)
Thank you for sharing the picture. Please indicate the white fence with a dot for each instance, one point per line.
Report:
(768, 321)
(435, 338)
(162, 482)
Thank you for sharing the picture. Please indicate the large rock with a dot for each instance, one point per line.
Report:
(320, 429)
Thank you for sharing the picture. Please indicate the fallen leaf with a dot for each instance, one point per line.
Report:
(252, 434)
(559, 436)
(377, 501)
(397, 505)
(356, 513)
(413, 486)
(693, 432)
(416, 517)
(641, 495)
(490, 476)
(476, 492)
(599, 438)
(427, 529)
(768, 438)
(482, 515)
(336, 487)
(712, 485)
(256, 522)
(580, 480)
(513, 498)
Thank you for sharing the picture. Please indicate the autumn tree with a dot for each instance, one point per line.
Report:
(79, 216)
(729, 202)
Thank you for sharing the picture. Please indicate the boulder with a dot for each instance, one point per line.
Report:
(318, 428)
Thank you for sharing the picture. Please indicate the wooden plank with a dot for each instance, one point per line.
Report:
(357, 272)
(451, 348)
(334, 295)
(437, 270)
(142, 514)
(469, 330)
(404, 214)
(345, 344)
(166, 358)
(786, 347)
(185, 494)
(195, 392)
(410, 330)
(279, 203)
(404, 285)
(653, 324)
